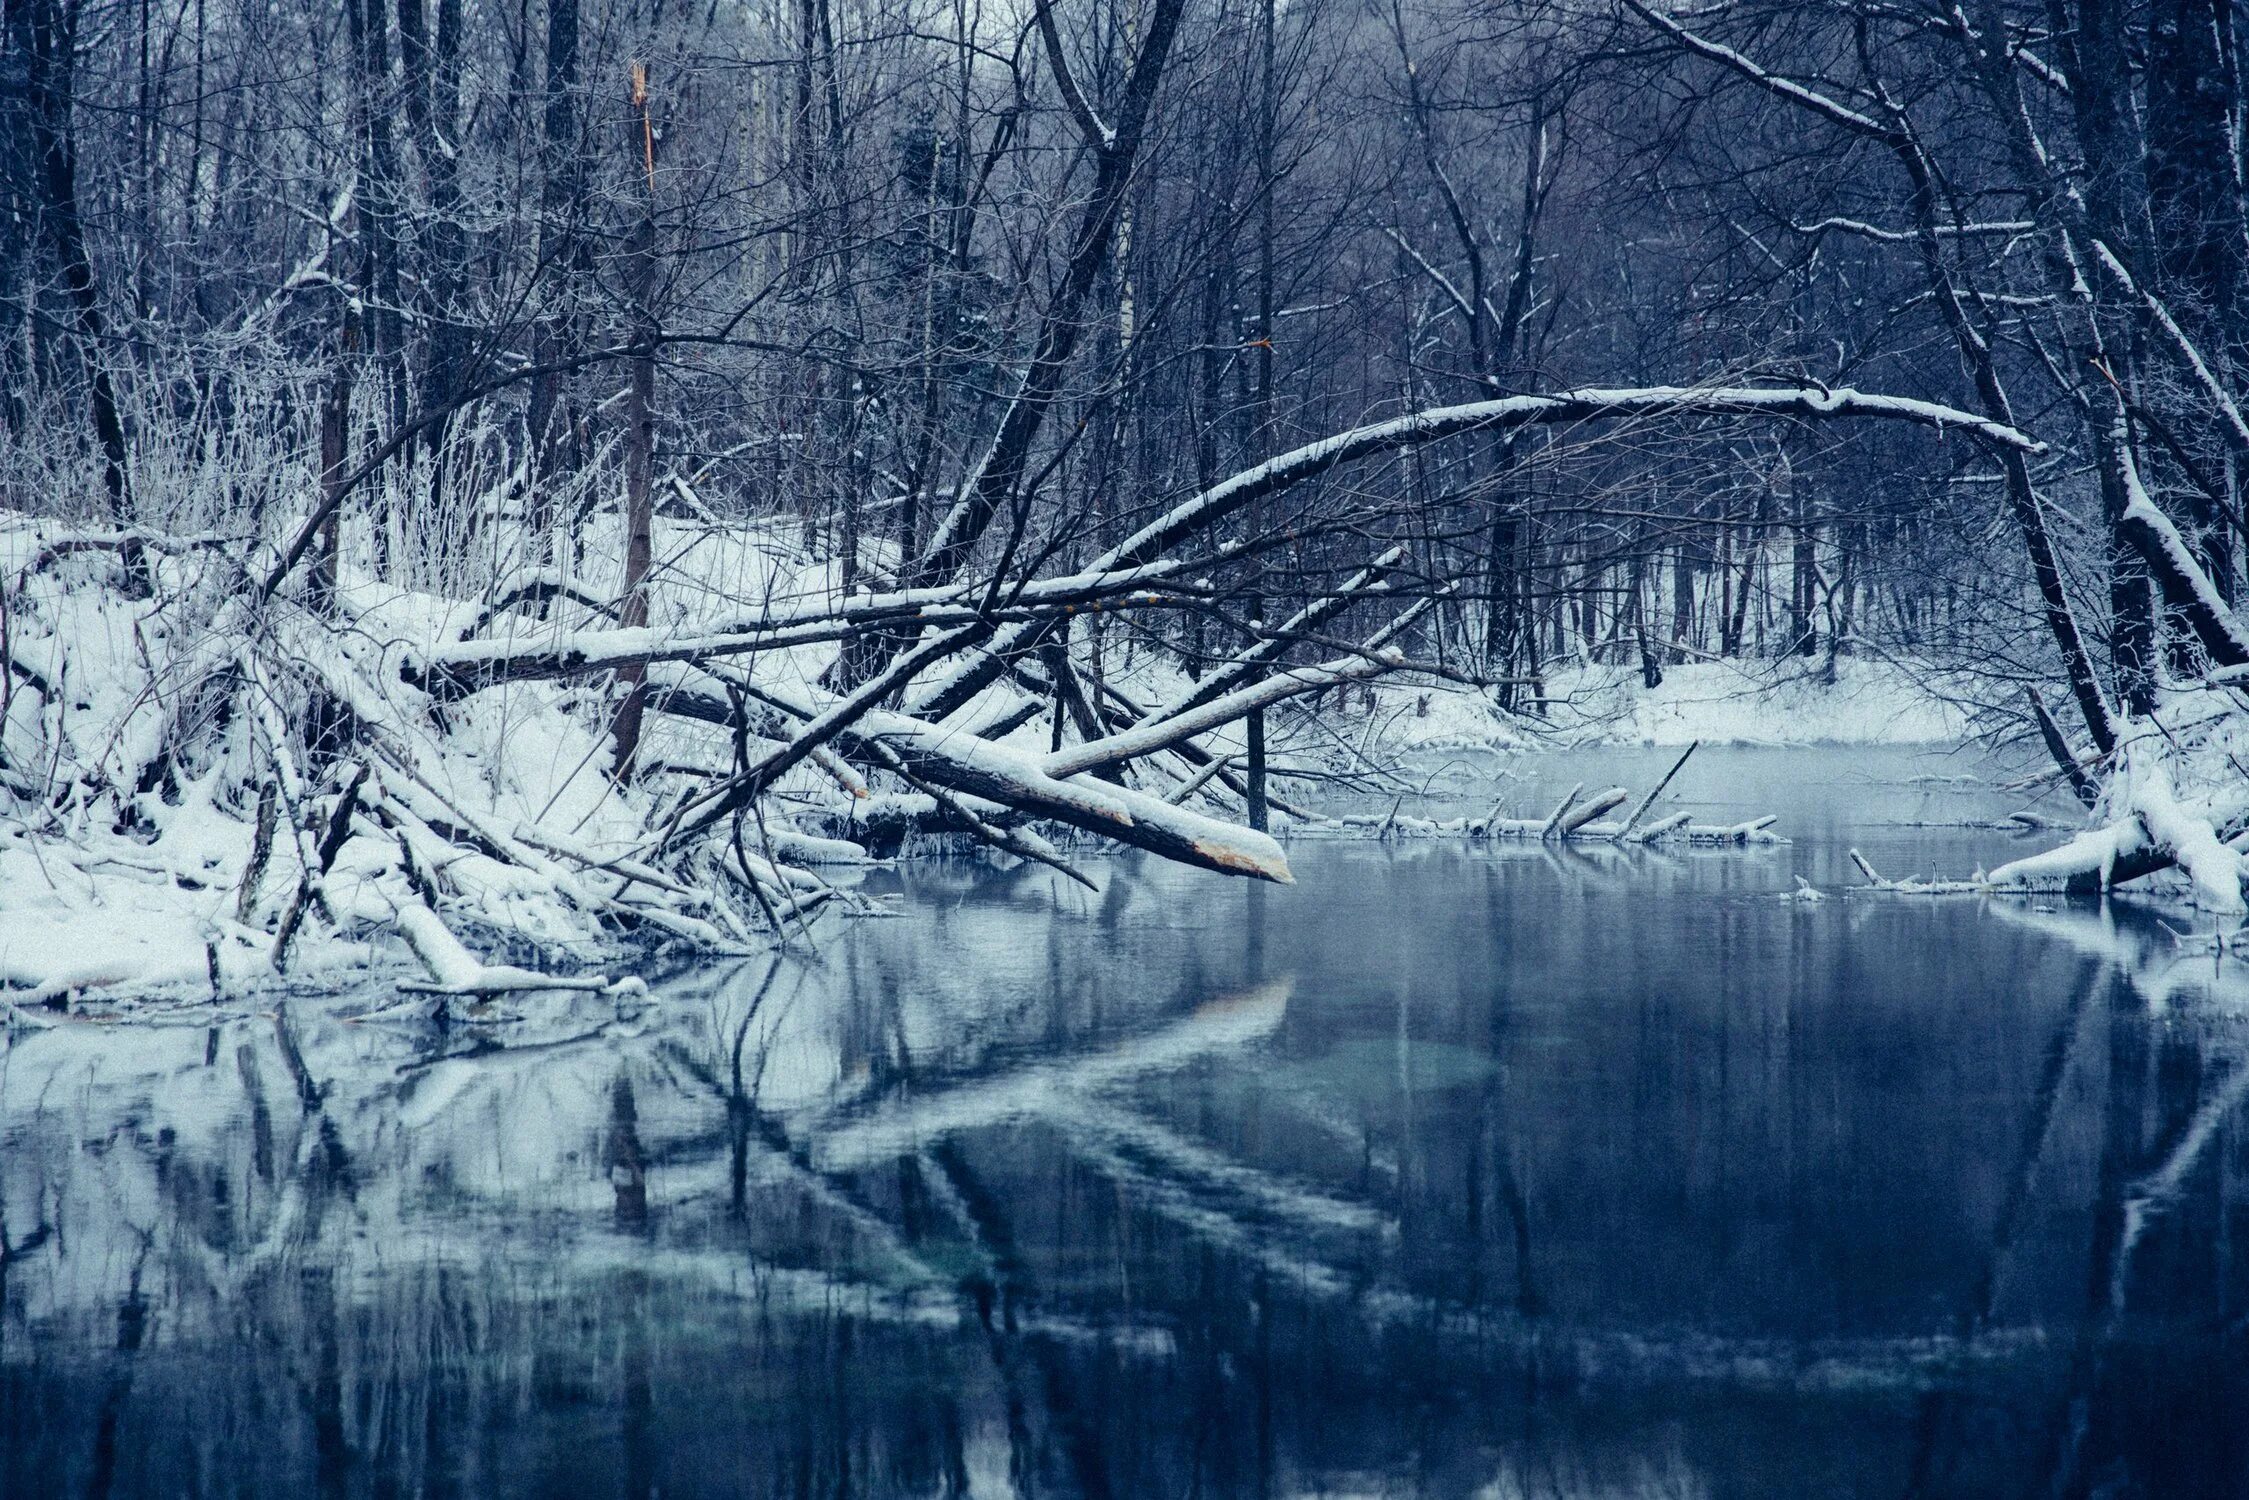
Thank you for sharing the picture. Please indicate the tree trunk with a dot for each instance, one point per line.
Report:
(379, 210)
(996, 477)
(1682, 599)
(559, 206)
(640, 419)
(1803, 587)
(53, 37)
(430, 70)
(335, 453)
(2201, 245)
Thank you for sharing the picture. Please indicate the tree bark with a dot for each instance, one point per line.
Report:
(640, 420)
(559, 212)
(52, 31)
(2200, 241)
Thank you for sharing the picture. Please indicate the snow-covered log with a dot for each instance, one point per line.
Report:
(947, 758)
(457, 669)
(831, 721)
(454, 970)
(1640, 808)
(1285, 683)
(1246, 666)
(2186, 587)
(2149, 830)
(1019, 780)
(1748, 831)
(1580, 816)
(1553, 823)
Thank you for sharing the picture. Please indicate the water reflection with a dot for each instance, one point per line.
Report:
(1479, 1172)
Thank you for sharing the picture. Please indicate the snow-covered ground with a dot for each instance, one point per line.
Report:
(1871, 702)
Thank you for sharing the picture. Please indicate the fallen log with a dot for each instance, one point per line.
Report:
(1246, 666)
(1585, 812)
(947, 758)
(1562, 809)
(454, 970)
(1753, 831)
(1640, 809)
(1215, 713)
(1297, 466)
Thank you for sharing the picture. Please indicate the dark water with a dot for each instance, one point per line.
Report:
(1449, 1171)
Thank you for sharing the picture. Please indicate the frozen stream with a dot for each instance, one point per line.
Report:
(1451, 1171)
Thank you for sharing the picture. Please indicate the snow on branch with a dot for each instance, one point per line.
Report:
(2186, 587)
(1144, 547)
(1016, 779)
(1289, 682)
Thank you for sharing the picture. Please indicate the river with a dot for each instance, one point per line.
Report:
(1452, 1170)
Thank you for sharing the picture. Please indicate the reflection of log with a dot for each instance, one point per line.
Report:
(1214, 1171)
(903, 1126)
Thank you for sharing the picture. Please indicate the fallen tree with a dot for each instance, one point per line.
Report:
(295, 778)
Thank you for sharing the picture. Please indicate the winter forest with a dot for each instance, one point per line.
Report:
(530, 529)
(741, 424)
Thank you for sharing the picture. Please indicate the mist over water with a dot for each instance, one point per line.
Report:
(1452, 1170)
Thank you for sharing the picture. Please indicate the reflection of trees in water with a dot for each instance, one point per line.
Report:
(2156, 1377)
(2159, 1290)
(759, 1237)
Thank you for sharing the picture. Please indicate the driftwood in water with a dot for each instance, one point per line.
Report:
(1640, 808)
(2096, 861)
(1582, 821)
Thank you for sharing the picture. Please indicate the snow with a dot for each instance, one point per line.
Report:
(1761, 703)
(1871, 702)
(2096, 849)
(2173, 795)
(2143, 785)
(2173, 561)
(116, 883)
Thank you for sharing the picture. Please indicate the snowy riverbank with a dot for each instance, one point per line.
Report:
(1718, 703)
(207, 795)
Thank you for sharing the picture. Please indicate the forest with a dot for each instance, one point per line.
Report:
(529, 478)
